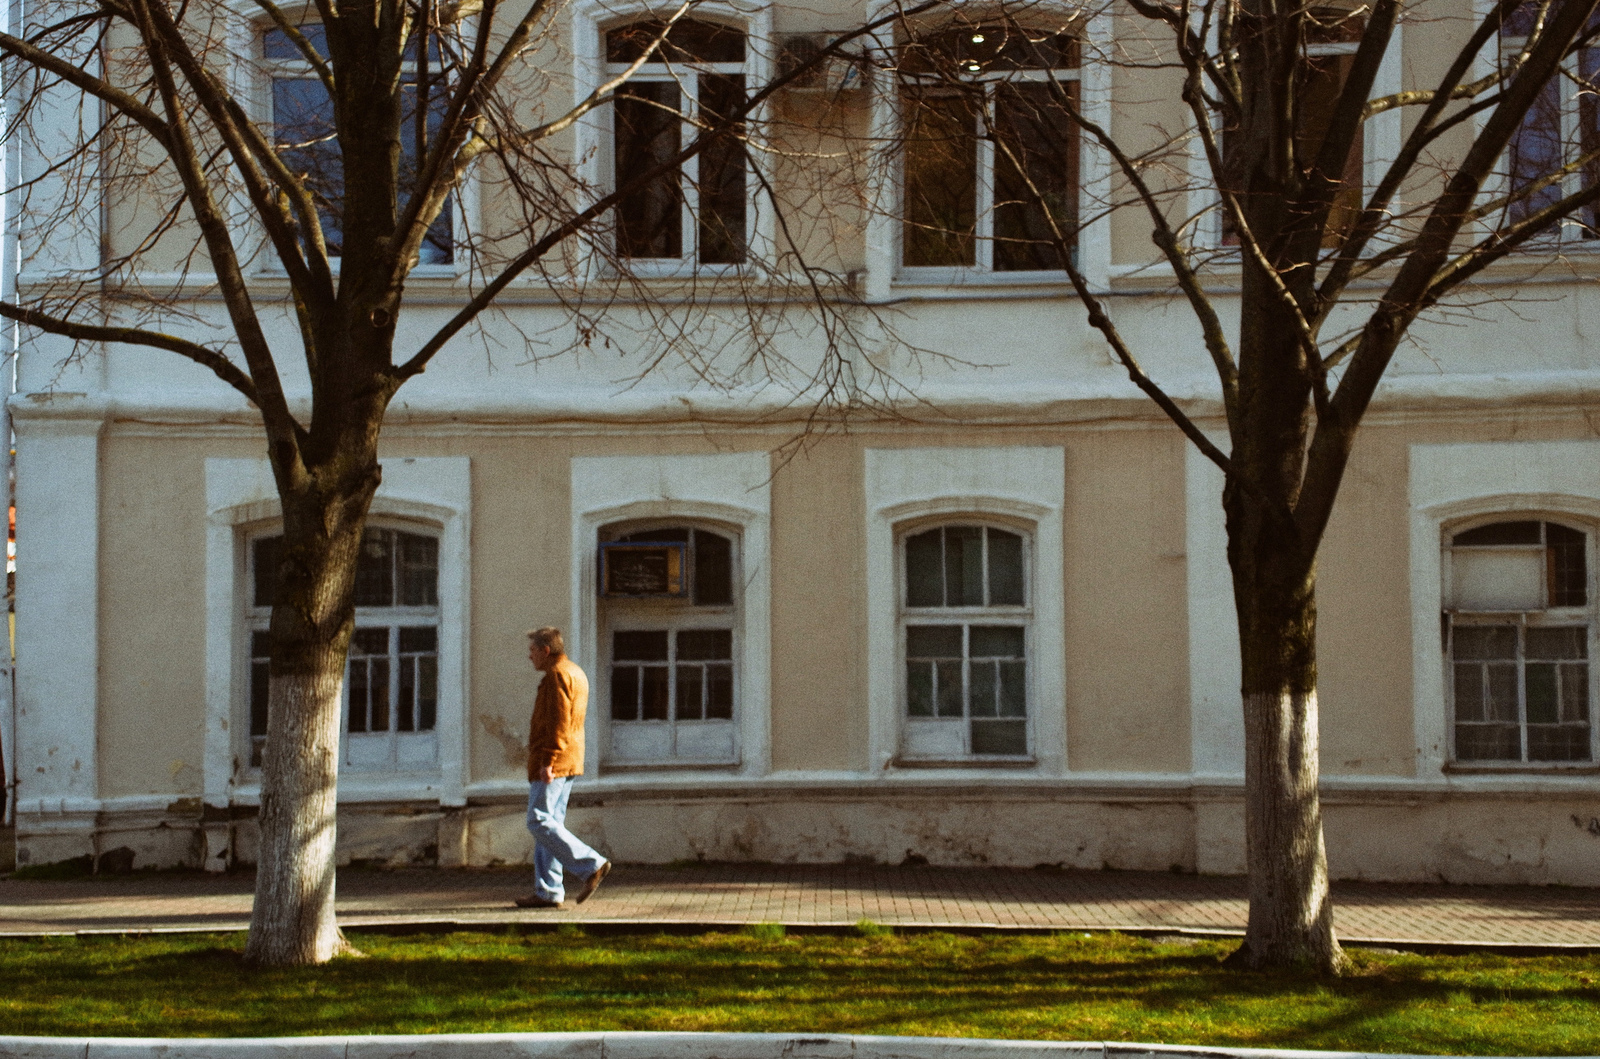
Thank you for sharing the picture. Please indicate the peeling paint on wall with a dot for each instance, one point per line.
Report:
(516, 750)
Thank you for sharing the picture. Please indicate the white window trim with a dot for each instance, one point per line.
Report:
(590, 20)
(885, 277)
(1451, 485)
(241, 499)
(1382, 137)
(733, 489)
(1022, 486)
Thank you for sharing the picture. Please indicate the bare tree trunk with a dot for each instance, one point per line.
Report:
(1291, 915)
(292, 920)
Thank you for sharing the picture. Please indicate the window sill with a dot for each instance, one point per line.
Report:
(607, 768)
(963, 762)
(1521, 768)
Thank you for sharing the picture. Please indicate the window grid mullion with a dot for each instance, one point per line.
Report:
(689, 176)
(983, 208)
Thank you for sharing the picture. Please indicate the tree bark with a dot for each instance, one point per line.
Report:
(292, 920)
(1291, 915)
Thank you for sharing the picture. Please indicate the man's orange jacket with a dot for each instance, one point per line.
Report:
(555, 731)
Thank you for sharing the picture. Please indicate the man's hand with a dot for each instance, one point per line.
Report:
(546, 773)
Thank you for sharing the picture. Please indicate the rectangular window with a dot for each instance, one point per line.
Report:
(696, 212)
(989, 163)
(305, 136)
(1562, 126)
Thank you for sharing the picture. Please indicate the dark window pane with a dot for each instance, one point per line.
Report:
(975, 49)
(1542, 700)
(419, 570)
(919, 689)
(360, 685)
(1498, 533)
(963, 566)
(1036, 176)
(1575, 692)
(985, 689)
(415, 639)
(690, 704)
(1557, 643)
(438, 243)
(933, 641)
(690, 40)
(713, 569)
(260, 686)
(378, 677)
(1502, 692)
(723, 194)
(701, 645)
(1013, 689)
(997, 641)
(1469, 692)
(427, 693)
(1321, 81)
(669, 535)
(370, 642)
(303, 133)
(941, 180)
(375, 569)
(266, 557)
(1005, 569)
(654, 693)
(1536, 151)
(947, 699)
(1488, 742)
(1484, 641)
(1566, 565)
(925, 569)
(650, 646)
(276, 44)
(624, 693)
(405, 709)
(1000, 737)
(719, 692)
(1558, 742)
(1589, 136)
(648, 133)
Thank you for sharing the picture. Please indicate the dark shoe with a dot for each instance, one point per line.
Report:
(535, 901)
(592, 883)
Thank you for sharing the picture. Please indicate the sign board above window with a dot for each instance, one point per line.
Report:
(643, 570)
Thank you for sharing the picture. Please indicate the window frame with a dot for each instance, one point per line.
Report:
(266, 71)
(964, 617)
(255, 618)
(1453, 617)
(671, 615)
(591, 20)
(1568, 235)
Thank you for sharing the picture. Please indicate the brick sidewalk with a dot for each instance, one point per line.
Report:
(822, 895)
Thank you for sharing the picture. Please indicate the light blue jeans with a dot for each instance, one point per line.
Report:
(555, 849)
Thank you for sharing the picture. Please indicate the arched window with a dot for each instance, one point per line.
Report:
(990, 164)
(391, 686)
(965, 627)
(670, 636)
(1518, 626)
(696, 213)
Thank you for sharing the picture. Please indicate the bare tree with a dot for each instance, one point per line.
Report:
(344, 190)
(1277, 122)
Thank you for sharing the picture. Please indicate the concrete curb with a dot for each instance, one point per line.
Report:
(626, 1046)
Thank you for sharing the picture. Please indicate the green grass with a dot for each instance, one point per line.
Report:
(1064, 987)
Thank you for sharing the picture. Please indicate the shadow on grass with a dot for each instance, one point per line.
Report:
(1064, 988)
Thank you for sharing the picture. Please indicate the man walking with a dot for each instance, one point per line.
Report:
(555, 759)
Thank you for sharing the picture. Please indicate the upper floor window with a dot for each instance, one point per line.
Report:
(990, 156)
(965, 627)
(695, 212)
(1332, 37)
(670, 631)
(1562, 126)
(304, 134)
(391, 686)
(1518, 626)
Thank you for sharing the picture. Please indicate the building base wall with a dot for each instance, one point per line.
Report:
(1379, 836)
